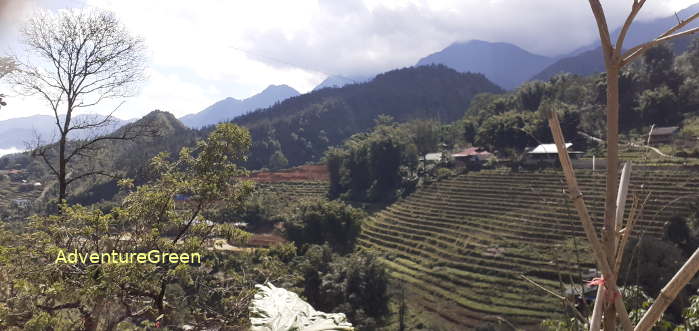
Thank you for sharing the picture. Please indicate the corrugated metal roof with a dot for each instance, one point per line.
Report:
(433, 156)
(547, 149)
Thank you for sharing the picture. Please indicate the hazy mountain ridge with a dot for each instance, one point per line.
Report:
(17, 132)
(587, 60)
(230, 108)
(504, 64)
(337, 81)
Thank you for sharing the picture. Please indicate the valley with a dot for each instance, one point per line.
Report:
(443, 179)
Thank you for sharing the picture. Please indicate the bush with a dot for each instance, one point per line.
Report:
(320, 222)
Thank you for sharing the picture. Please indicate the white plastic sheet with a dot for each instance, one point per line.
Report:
(276, 309)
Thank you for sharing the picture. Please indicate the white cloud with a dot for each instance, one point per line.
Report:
(207, 50)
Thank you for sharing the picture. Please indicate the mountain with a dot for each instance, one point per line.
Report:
(129, 158)
(231, 108)
(583, 64)
(339, 81)
(17, 132)
(301, 129)
(588, 59)
(504, 64)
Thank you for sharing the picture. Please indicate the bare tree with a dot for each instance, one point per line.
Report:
(77, 59)
(6, 66)
(608, 249)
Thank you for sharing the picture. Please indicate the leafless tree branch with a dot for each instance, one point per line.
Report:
(78, 58)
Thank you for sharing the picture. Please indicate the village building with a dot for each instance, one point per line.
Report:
(549, 152)
(433, 157)
(662, 135)
(471, 155)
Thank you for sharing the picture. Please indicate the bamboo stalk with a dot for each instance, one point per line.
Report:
(590, 232)
(621, 199)
(634, 215)
(625, 235)
(669, 293)
(560, 297)
(596, 320)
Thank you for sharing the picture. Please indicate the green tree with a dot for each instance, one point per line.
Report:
(356, 284)
(278, 161)
(659, 106)
(658, 66)
(532, 94)
(509, 132)
(38, 293)
(425, 136)
(325, 222)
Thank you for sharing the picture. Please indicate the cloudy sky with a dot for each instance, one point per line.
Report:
(202, 51)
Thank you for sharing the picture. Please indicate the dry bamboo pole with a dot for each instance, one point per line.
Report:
(634, 215)
(614, 60)
(596, 320)
(560, 297)
(598, 250)
(621, 197)
(669, 293)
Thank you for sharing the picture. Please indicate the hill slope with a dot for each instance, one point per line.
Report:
(461, 244)
(505, 64)
(230, 108)
(301, 129)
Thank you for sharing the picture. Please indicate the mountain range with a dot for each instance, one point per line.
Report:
(16, 133)
(588, 59)
(509, 65)
(505, 64)
(230, 108)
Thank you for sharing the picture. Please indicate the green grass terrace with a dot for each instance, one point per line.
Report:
(462, 244)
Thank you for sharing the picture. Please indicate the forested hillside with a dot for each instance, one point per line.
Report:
(300, 129)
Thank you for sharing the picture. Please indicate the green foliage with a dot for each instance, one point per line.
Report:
(38, 293)
(325, 222)
(691, 315)
(278, 161)
(368, 166)
(356, 284)
(425, 136)
(659, 106)
(508, 131)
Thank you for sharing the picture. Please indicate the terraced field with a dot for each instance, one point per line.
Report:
(294, 190)
(463, 243)
(10, 191)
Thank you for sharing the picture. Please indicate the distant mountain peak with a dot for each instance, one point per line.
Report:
(281, 87)
(230, 108)
(337, 81)
(503, 63)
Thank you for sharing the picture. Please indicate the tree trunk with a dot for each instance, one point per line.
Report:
(612, 176)
(62, 180)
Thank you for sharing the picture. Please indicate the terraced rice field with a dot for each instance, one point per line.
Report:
(463, 243)
(294, 190)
